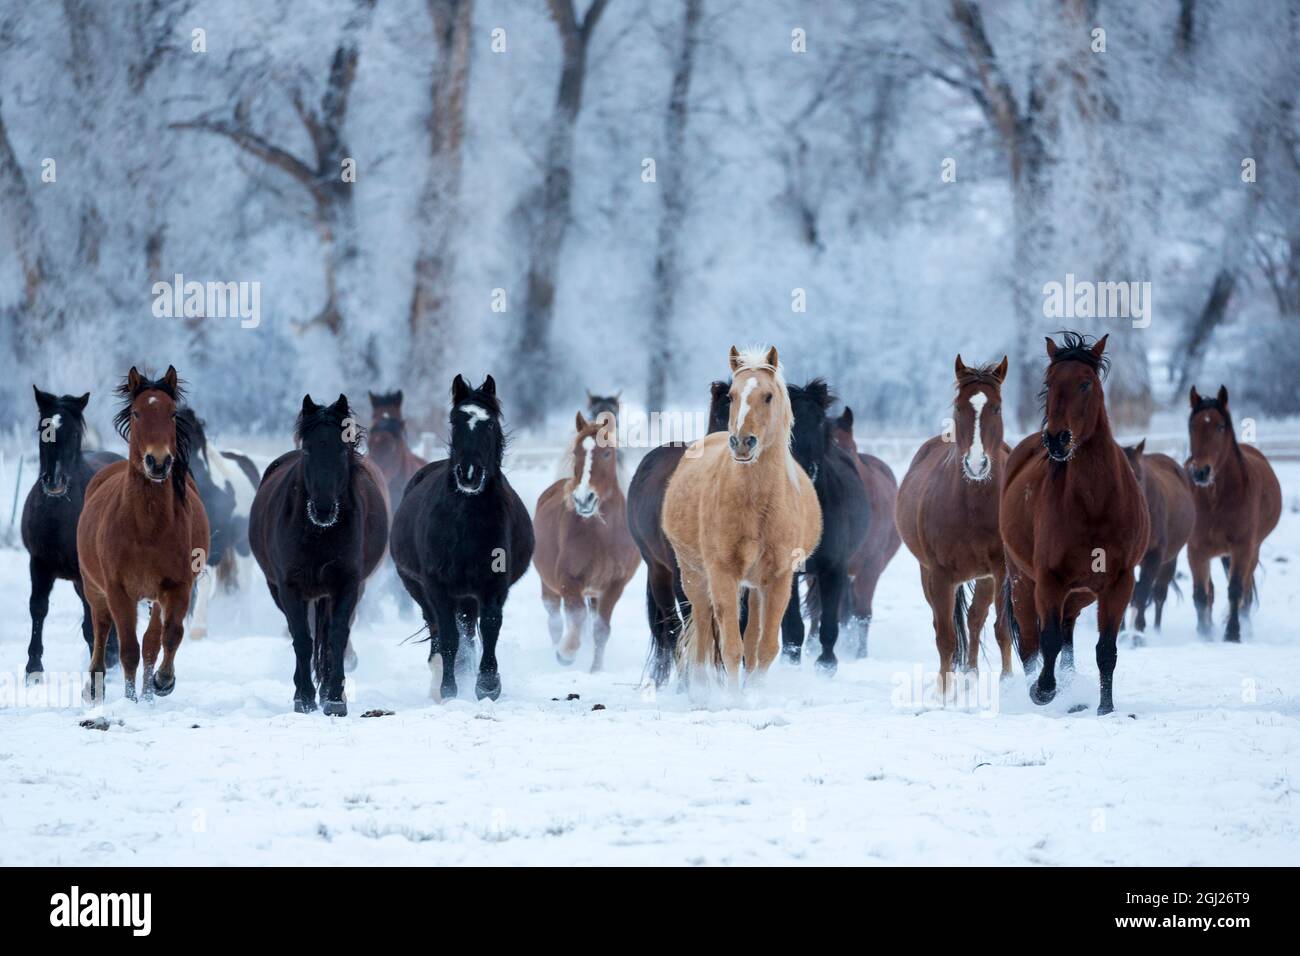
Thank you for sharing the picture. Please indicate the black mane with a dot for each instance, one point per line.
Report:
(1077, 347)
(184, 437)
(814, 390)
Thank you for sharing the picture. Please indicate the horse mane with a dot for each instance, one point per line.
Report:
(184, 436)
(753, 358)
(323, 415)
(981, 375)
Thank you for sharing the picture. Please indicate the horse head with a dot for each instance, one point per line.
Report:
(760, 416)
(477, 441)
(158, 439)
(1211, 435)
(598, 405)
(329, 438)
(1074, 407)
(719, 405)
(977, 416)
(812, 429)
(595, 467)
(61, 426)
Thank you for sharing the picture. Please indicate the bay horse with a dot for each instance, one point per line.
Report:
(741, 513)
(387, 445)
(584, 552)
(666, 605)
(227, 483)
(461, 538)
(50, 513)
(846, 520)
(1171, 511)
(143, 536)
(878, 547)
(947, 514)
(1073, 520)
(318, 530)
(1238, 504)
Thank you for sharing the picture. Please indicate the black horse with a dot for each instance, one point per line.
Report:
(846, 517)
(462, 537)
(50, 514)
(318, 528)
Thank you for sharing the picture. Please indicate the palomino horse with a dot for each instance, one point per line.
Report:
(948, 516)
(585, 554)
(878, 547)
(50, 514)
(461, 538)
(1073, 519)
(143, 536)
(665, 602)
(1171, 510)
(742, 513)
(846, 518)
(1238, 503)
(318, 529)
(387, 445)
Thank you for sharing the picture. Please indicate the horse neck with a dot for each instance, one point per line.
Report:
(770, 475)
(1231, 466)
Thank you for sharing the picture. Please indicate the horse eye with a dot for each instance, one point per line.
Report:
(1084, 386)
(997, 409)
(1223, 428)
(768, 399)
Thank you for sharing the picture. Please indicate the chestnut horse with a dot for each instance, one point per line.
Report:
(1238, 503)
(143, 536)
(948, 516)
(742, 513)
(386, 445)
(1073, 519)
(880, 545)
(1171, 510)
(665, 602)
(584, 553)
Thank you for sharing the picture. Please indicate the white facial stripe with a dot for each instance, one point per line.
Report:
(56, 420)
(744, 402)
(584, 486)
(473, 414)
(153, 399)
(976, 460)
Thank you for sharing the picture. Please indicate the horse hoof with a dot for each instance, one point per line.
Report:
(827, 666)
(130, 693)
(1077, 709)
(1041, 696)
(566, 661)
(334, 708)
(164, 684)
(488, 685)
(301, 706)
(1104, 709)
(448, 692)
(1232, 638)
(35, 675)
(792, 655)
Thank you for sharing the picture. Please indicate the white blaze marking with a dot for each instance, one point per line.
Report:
(976, 465)
(153, 399)
(57, 421)
(744, 402)
(584, 486)
(474, 414)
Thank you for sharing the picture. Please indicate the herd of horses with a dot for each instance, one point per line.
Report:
(775, 494)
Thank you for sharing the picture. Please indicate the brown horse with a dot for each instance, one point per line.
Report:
(948, 516)
(881, 543)
(1238, 503)
(1171, 509)
(1073, 519)
(143, 536)
(387, 447)
(742, 513)
(584, 553)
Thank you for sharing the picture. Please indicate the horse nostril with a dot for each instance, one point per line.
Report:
(733, 442)
(167, 462)
(150, 462)
(751, 441)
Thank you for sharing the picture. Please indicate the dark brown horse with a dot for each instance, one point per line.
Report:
(143, 536)
(1073, 519)
(1171, 510)
(666, 604)
(1238, 503)
(947, 514)
(881, 543)
(584, 553)
(387, 447)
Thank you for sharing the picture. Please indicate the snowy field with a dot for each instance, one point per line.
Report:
(1200, 764)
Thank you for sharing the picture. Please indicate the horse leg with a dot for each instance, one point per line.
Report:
(985, 589)
(152, 644)
(342, 605)
(941, 592)
(1248, 582)
(1148, 570)
(295, 613)
(1049, 602)
(39, 606)
(1202, 588)
(122, 607)
(1067, 642)
(88, 627)
(864, 593)
(831, 586)
(175, 602)
(751, 609)
(771, 614)
(575, 622)
(102, 623)
(554, 622)
(203, 589)
(1024, 609)
(702, 646)
(1001, 626)
(661, 608)
(1238, 566)
(600, 629)
(1161, 589)
(443, 662)
(724, 592)
(792, 634)
(489, 676)
(1110, 616)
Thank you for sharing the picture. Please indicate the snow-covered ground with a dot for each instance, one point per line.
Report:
(1200, 763)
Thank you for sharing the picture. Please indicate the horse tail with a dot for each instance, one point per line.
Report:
(1009, 609)
(960, 608)
(692, 635)
(318, 620)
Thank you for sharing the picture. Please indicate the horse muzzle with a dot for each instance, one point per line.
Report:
(743, 450)
(977, 470)
(1203, 476)
(587, 505)
(54, 486)
(469, 481)
(1060, 445)
(315, 518)
(156, 470)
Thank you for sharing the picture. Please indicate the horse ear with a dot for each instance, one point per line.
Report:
(1223, 395)
(580, 422)
(846, 419)
(308, 406)
(459, 390)
(398, 395)
(959, 366)
(1051, 347)
(1140, 447)
(133, 379)
(590, 397)
(490, 386)
(1194, 397)
(42, 398)
(1000, 373)
(82, 402)
(772, 358)
(618, 395)
(340, 406)
(1100, 345)
(374, 399)
(170, 378)
(734, 360)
